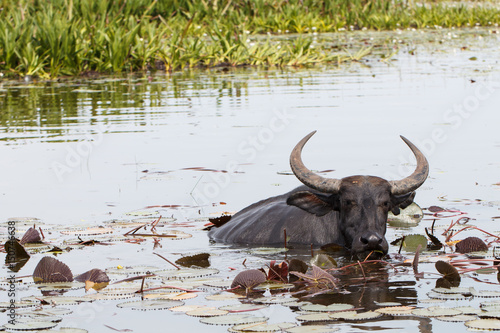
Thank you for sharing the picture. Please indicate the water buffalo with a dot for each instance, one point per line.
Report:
(351, 212)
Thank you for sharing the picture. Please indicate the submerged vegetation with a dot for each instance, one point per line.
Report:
(73, 37)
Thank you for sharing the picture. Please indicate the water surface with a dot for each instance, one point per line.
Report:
(81, 152)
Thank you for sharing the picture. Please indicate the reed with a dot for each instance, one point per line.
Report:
(71, 37)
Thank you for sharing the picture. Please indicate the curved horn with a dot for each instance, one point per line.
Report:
(306, 176)
(417, 178)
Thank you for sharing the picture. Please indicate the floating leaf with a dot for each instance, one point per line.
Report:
(318, 277)
(326, 308)
(142, 213)
(489, 314)
(471, 244)
(223, 297)
(410, 216)
(133, 270)
(436, 311)
(242, 307)
(312, 329)
(323, 261)
(490, 305)
(207, 312)
(446, 296)
(249, 279)
(186, 308)
(15, 254)
(316, 316)
(95, 275)
(58, 300)
(484, 324)
(274, 300)
(200, 260)
(67, 330)
(54, 311)
(274, 286)
(447, 270)
(354, 316)
(186, 273)
(233, 319)
(452, 290)
(484, 293)
(150, 304)
(457, 319)
(31, 236)
(261, 327)
(296, 265)
(58, 286)
(411, 242)
(88, 231)
(52, 270)
(396, 310)
(30, 325)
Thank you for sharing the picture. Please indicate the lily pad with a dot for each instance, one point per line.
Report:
(457, 318)
(150, 304)
(242, 307)
(233, 319)
(30, 325)
(316, 316)
(396, 310)
(133, 270)
(312, 329)
(411, 242)
(142, 213)
(187, 308)
(354, 316)
(436, 311)
(55, 286)
(435, 295)
(490, 314)
(186, 273)
(223, 297)
(261, 327)
(88, 231)
(408, 217)
(274, 300)
(206, 312)
(54, 311)
(484, 324)
(326, 308)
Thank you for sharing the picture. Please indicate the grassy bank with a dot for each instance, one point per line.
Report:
(72, 37)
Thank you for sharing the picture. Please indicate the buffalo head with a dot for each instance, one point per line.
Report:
(362, 202)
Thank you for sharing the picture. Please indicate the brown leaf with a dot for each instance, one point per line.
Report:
(249, 279)
(31, 236)
(52, 270)
(94, 275)
(318, 277)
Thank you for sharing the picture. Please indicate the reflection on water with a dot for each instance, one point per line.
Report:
(80, 152)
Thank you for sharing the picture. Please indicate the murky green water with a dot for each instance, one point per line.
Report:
(82, 152)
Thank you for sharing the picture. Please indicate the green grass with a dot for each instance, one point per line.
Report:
(70, 37)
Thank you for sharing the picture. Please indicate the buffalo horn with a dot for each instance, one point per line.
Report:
(331, 185)
(417, 178)
(306, 176)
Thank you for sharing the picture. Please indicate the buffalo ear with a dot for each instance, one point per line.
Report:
(401, 201)
(317, 204)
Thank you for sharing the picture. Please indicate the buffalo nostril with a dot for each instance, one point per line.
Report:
(372, 241)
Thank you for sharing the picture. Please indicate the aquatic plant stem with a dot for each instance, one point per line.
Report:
(171, 263)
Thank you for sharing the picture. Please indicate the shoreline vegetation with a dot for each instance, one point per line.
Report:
(50, 39)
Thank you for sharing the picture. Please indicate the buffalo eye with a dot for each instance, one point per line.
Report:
(350, 203)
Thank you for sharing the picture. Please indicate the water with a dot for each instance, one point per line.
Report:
(81, 152)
